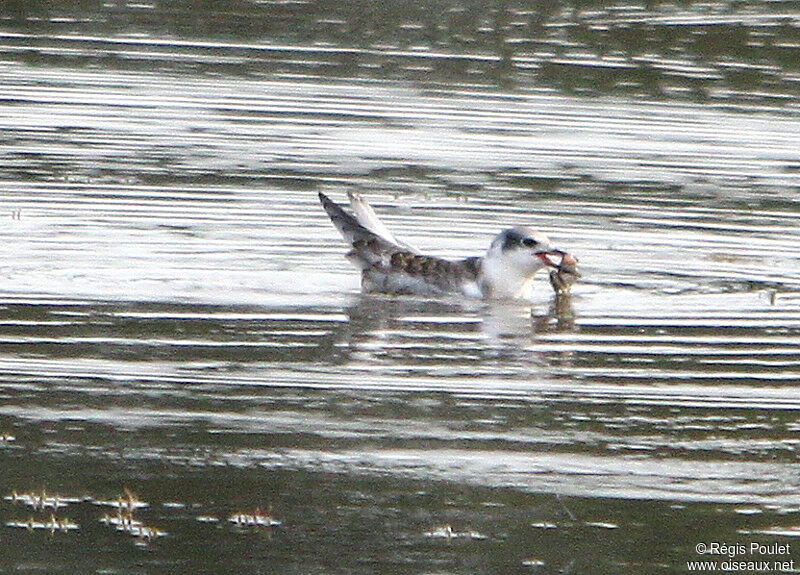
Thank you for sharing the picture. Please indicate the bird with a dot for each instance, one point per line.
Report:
(391, 266)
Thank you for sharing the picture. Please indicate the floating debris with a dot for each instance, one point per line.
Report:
(122, 505)
(446, 532)
(29, 524)
(544, 525)
(255, 519)
(602, 525)
(64, 524)
(792, 531)
(207, 519)
(122, 521)
(146, 533)
(126, 502)
(41, 501)
(53, 524)
(533, 563)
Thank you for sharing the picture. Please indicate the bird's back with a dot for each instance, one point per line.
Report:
(387, 267)
(409, 273)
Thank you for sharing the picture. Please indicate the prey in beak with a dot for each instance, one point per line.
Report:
(515, 255)
(568, 263)
(563, 275)
(544, 256)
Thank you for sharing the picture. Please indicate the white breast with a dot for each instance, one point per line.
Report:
(503, 280)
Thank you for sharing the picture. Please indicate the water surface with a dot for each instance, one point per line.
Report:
(177, 318)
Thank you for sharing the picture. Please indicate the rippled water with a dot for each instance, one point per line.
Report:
(177, 318)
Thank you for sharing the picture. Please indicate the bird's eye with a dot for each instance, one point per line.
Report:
(529, 242)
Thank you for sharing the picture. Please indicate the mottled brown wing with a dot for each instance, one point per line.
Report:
(446, 275)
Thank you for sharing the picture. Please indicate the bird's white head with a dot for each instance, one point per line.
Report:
(514, 256)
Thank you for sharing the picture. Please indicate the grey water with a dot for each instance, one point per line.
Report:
(178, 320)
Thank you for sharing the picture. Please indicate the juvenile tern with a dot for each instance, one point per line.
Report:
(389, 265)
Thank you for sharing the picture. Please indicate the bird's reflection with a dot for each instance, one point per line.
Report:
(513, 320)
(560, 316)
(495, 321)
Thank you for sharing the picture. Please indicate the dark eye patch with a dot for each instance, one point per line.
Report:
(511, 239)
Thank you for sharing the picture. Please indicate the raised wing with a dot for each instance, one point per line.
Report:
(367, 217)
(369, 248)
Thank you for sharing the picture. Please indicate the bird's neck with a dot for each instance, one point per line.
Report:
(500, 280)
